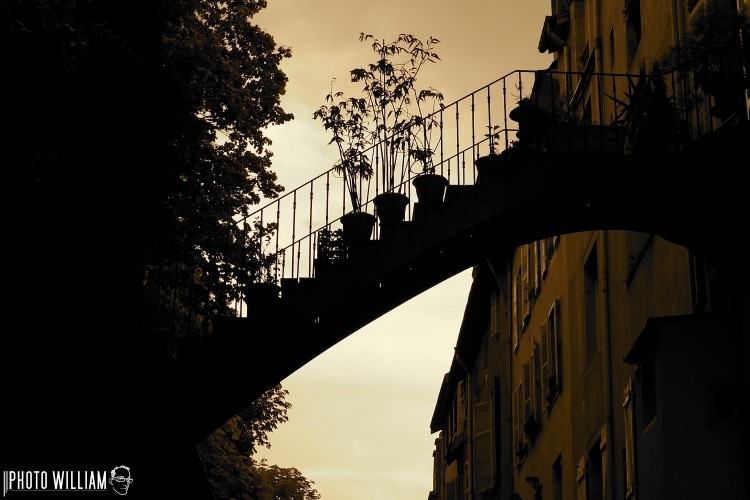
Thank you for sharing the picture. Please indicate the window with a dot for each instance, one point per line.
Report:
(457, 414)
(536, 373)
(594, 481)
(629, 452)
(546, 250)
(530, 392)
(527, 402)
(646, 373)
(633, 27)
(707, 291)
(550, 357)
(516, 309)
(519, 442)
(611, 47)
(638, 244)
(591, 302)
(697, 283)
(483, 452)
(526, 283)
(494, 320)
(536, 274)
(557, 479)
(451, 478)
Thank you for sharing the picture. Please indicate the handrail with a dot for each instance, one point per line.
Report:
(493, 103)
(289, 225)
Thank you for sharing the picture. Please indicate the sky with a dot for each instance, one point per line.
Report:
(359, 425)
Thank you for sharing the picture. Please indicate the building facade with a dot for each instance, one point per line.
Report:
(599, 364)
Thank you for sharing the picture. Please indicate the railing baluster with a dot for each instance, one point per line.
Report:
(458, 144)
(474, 154)
(328, 189)
(505, 113)
(278, 232)
(309, 232)
(294, 227)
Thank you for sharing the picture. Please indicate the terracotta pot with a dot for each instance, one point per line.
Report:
(357, 227)
(430, 188)
(391, 207)
(487, 167)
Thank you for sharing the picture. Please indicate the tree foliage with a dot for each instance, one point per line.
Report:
(133, 133)
(132, 138)
(227, 455)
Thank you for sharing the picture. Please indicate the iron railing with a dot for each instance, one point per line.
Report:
(590, 101)
(583, 110)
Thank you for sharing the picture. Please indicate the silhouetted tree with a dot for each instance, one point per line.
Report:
(132, 136)
(227, 455)
(134, 129)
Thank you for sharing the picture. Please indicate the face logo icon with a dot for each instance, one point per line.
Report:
(120, 479)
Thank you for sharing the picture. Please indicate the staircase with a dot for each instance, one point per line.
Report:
(542, 181)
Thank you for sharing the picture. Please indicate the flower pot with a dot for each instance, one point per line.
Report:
(532, 121)
(357, 227)
(487, 168)
(262, 296)
(430, 188)
(390, 207)
(728, 93)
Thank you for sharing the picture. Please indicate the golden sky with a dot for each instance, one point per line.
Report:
(359, 423)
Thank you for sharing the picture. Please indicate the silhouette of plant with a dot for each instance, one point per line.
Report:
(398, 109)
(717, 50)
(646, 112)
(346, 117)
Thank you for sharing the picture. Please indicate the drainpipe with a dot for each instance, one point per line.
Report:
(676, 31)
(608, 394)
(598, 59)
(598, 64)
(467, 425)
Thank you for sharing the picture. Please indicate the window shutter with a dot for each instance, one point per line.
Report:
(494, 322)
(515, 313)
(517, 437)
(545, 361)
(556, 339)
(483, 453)
(627, 407)
(537, 384)
(451, 477)
(543, 258)
(525, 283)
(581, 477)
(527, 390)
(535, 271)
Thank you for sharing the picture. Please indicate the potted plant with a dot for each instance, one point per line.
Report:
(345, 119)
(646, 114)
(533, 121)
(488, 164)
(429, 185)
(393, 101)
(717, 50)
(331, 249)
(263, 292)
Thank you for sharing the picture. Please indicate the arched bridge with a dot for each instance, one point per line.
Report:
(692, 197)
